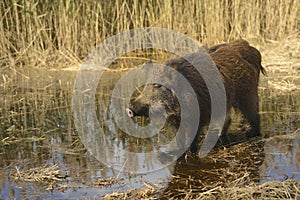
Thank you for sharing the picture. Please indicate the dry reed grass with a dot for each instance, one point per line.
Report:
(283, 56)
(268, 190)
(282, 60)
(38, 33)
(48, 175)
(13, 140)
(148, 192)
(38, 174)
(239, 189)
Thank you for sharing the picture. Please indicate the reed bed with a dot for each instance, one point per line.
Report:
(59, 34)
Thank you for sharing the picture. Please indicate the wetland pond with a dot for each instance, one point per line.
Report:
(42, 156)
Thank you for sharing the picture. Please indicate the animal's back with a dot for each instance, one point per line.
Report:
(240, 63)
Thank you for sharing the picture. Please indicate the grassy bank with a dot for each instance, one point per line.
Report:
(61, 33)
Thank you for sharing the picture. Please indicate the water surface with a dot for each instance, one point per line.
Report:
(37, 129)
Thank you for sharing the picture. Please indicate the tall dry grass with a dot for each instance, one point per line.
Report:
(59, 33)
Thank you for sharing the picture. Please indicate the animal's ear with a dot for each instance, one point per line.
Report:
(203, 49)
(148, 65)
(150, 62)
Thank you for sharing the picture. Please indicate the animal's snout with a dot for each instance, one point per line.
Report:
(129, 112)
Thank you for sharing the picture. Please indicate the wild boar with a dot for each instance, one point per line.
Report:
(239, 65)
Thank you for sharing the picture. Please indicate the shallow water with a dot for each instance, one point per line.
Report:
(37, 128)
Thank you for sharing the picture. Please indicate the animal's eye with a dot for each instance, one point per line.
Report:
(156, 85)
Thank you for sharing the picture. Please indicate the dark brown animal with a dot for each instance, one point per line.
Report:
(239, 65)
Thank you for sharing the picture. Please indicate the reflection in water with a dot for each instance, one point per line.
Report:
(36, 128)
(108, 147)
(282, 159)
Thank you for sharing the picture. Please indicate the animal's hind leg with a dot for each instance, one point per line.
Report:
(224, 139)
(226, 125)
(249, 108)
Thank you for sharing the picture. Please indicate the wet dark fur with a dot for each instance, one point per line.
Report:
(240, 67)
